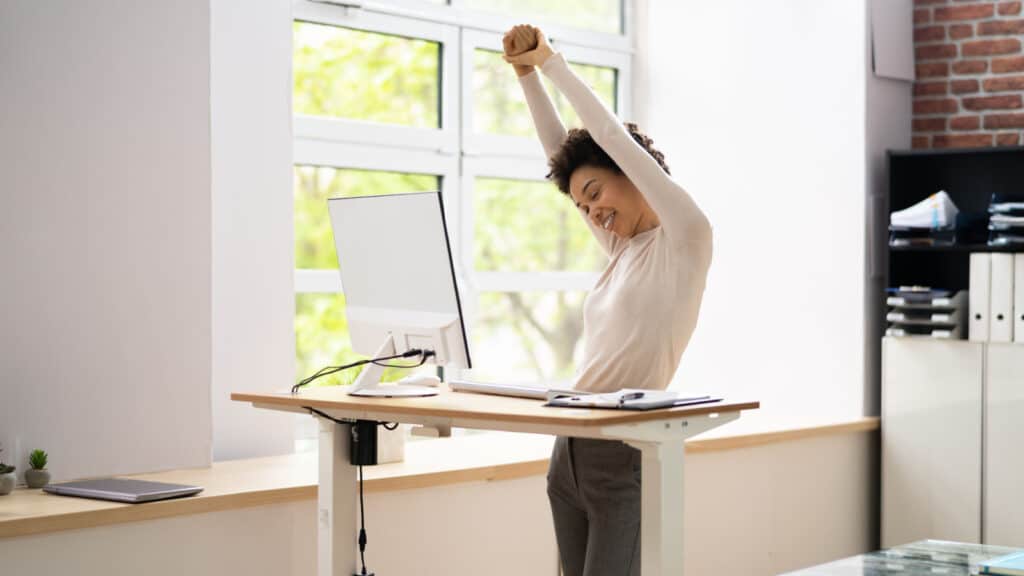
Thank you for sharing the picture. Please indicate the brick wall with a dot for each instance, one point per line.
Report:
(970, 73)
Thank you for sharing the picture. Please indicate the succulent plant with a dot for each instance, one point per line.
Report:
(37, 459)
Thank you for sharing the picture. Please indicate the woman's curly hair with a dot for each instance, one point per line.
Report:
(579, 149)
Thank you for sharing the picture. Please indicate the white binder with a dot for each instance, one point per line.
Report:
(1018, 298)
(1000, 316)
(978, 297)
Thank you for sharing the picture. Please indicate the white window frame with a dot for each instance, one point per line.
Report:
(444, 139)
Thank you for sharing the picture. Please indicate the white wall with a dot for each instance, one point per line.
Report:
(253, 243)
(775, 508)
(105, 239)
(753, 511)
(500, 528)
(759, 108)
(275, 540)
(145, 161)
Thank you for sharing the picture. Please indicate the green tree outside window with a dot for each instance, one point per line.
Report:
(345, 73)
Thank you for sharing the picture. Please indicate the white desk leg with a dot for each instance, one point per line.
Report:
(336, 503)
(661, 508)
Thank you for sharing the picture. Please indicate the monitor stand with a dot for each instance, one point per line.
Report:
(368, 383)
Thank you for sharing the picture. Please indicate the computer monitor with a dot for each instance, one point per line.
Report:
(399, 283)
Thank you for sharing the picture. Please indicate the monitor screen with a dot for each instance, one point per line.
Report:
(398, 275)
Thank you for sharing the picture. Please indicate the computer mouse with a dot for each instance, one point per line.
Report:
(421, 380)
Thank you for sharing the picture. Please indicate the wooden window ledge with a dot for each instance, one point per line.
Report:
(280, 479)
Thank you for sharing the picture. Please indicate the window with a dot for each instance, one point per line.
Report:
(411, 96)
(321, 329)
(525, 226)
(373, 78)
(526, 336)
(531, 259)
(496, 121)
(401, 83)
(499, 107)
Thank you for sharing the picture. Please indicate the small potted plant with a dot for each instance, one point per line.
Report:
(6, 477)
(38, 476)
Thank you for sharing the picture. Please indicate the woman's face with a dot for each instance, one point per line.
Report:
(611, 201)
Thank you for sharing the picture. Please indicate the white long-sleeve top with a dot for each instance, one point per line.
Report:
(639, 316)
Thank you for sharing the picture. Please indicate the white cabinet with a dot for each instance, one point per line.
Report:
(952, 441)
(1003, 515)
(931, 440)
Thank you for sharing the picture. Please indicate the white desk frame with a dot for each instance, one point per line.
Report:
(661, 443)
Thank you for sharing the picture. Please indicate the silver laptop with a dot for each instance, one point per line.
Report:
(122, 490)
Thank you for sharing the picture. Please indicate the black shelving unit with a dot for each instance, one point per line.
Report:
(970, 177)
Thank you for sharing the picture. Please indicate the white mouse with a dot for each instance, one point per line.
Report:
(421, 380)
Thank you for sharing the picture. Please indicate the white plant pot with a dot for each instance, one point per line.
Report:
(37, 478)
(6, 483)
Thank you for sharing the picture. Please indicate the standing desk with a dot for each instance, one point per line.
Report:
(659, 434)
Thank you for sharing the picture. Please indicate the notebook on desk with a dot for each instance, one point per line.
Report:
(628, 399)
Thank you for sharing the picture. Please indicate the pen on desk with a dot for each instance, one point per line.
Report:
(630, 396)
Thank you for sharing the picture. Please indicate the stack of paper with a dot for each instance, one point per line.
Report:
(923, 312)
(1006, 221)
(930, 222)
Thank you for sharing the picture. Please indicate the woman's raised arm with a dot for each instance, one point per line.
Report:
(550, 129)
(682, 219)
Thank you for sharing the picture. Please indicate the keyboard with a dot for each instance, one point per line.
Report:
(516, 390)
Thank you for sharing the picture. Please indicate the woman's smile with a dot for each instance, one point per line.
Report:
(608, 221)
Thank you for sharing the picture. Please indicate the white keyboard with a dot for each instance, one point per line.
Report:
(517, 390)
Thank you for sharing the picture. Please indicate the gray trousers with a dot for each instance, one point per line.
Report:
(594, 489)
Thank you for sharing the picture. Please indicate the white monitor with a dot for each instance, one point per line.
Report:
(399, 283)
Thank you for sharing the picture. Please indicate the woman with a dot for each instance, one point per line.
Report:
(639, 316)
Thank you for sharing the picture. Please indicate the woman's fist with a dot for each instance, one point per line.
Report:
(519, 39)
(532, 42)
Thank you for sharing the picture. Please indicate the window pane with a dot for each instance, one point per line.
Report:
(524, 226)
(314, 242)
(599, 15)
(528, 336)
(498, 103)
(359, 75)
(321, 339)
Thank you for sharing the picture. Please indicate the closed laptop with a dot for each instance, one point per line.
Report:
(122, 489)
